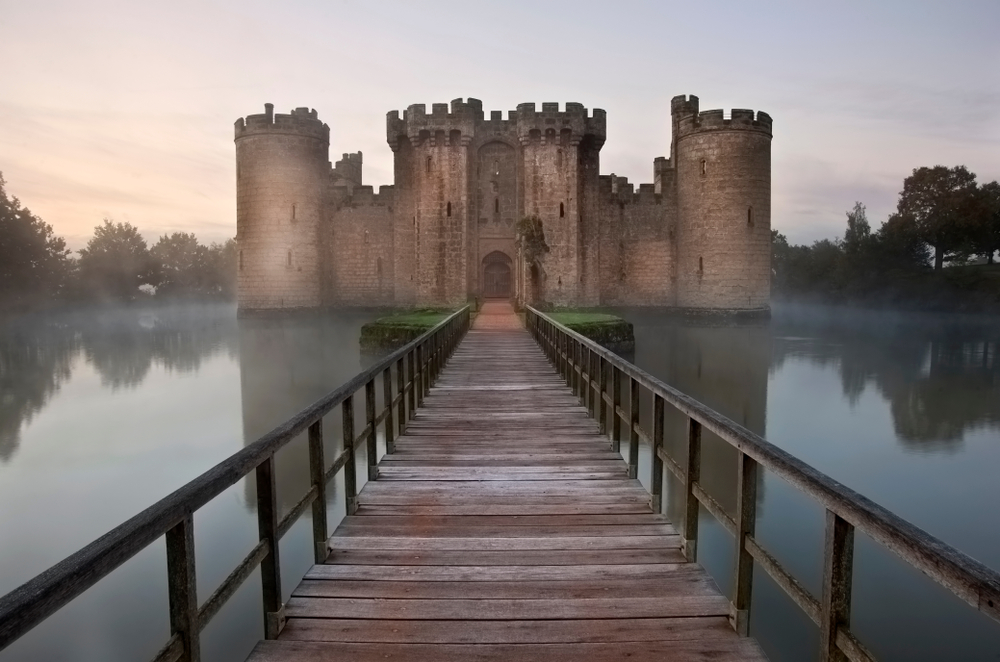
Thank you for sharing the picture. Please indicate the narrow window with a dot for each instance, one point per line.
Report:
(496, 205)
(562, 210)
(449, 210)
(496, 167)
(289, 259)
(378, 267)
(293, 212)
(704, 167)
(428, 165)
(366, 236)
(241, 260)
(750, 217)
(559, 157)
(701, 265)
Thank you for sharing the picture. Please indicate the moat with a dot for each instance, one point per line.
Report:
(101, 415)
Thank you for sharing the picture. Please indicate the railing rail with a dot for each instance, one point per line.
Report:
(586, 365)
(417, 365)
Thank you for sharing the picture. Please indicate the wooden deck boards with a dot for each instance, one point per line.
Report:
(503, 528)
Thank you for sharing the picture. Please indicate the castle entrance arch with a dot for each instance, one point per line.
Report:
(497, 279)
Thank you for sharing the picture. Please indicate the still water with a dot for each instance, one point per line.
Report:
(103, 414)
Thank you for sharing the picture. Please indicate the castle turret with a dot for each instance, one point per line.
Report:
(723, 180)
(432, 169)
(282, 170)
(561, 152)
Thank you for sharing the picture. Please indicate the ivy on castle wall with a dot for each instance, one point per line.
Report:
(531, 238)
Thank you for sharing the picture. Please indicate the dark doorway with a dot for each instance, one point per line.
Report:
(497, 279)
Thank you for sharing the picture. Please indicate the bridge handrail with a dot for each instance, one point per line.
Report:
(586, 367)
(417, 365)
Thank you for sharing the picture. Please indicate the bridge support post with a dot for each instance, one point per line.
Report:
(838, 564)
(371, 441)
(412, 395)
(616, 405)
(692, 475)
(350, 467)
(270, 567)
(182, 588)
(746, 519)
(633, 428)
(401, 387)
(317, 475)
(387, 403)
(602, 380)
(656, 482)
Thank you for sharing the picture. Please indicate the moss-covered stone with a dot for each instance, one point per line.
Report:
(388, 334)
(606, 330)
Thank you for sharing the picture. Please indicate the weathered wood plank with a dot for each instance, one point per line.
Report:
(553, 557)
(456, 543)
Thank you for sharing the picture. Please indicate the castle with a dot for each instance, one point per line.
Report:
(312, 235)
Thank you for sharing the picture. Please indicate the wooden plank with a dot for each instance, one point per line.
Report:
(507, 632)
(714, 649)
(501, 573)
(500, 558)
(566, 508)
(498, 543)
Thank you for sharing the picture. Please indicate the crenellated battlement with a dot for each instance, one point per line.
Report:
(616, 189)
(688, 119)
(348, 170)
(417, 125)
(301, 122)
(571, 125)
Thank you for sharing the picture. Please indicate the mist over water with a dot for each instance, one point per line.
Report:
(103, 413)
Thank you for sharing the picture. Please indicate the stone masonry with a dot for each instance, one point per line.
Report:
(311, 234)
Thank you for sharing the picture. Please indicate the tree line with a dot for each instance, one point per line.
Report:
(117, 265)
(943, 217)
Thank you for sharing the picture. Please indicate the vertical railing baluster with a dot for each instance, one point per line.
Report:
(838, 565)
(656, 484)
(390, 437)
(350, 467)
(602, 380)
(746, 521)
(418, 384)
(411, 396)
(587, 366)
(270, 567)
(372, 441)
(692, 475)
(401, 388)
(182, 588)
(616, 403)
(317, 475)
(633, 428)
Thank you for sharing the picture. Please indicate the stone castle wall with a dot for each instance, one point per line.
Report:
(697, 237)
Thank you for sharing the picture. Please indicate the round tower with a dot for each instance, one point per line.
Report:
(724, 207)
(282, 168)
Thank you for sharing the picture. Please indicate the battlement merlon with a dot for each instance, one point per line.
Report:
(740, 119)
(300, 122)
(551, 123)
(348, 169)
(417, 125)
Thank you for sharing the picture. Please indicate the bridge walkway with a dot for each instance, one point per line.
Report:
(503, 527)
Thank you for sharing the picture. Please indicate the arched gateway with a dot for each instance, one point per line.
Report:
(497, 278)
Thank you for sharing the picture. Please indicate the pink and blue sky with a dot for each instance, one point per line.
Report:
(125, 110)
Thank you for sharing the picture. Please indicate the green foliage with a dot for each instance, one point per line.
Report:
(387, 334)
(116, 262)
(187, 268)
(34, 263)
(942, 204)
(531, 238)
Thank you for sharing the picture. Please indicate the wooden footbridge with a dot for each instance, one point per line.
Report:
(502, 522)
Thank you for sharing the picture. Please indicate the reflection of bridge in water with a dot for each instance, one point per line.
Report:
(505, 520)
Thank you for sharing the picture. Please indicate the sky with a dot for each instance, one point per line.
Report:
(125, 110)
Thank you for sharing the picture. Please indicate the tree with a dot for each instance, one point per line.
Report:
(184, 265)
(985, 239)
(34, 263)
(859, 232)
(779, 258)
(941, 203)
(116, 262)
(899, 245)
(222, 264)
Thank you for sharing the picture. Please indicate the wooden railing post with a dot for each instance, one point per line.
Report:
(656, 484)
(390, 445)
(418, 383)
(602, 381)
(411, 396)
(270, 567)
(588, 377)
(350, 467)
(746, 520)
(616, 403)
(692, 475)
(372, 440)
(633, 428)
(838, 564)
(401, 388)
(182, 588)
(317, 475)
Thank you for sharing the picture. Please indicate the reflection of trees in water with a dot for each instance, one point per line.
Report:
(285, 365)
(36, 356)
(940, 376)
(34, 363)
